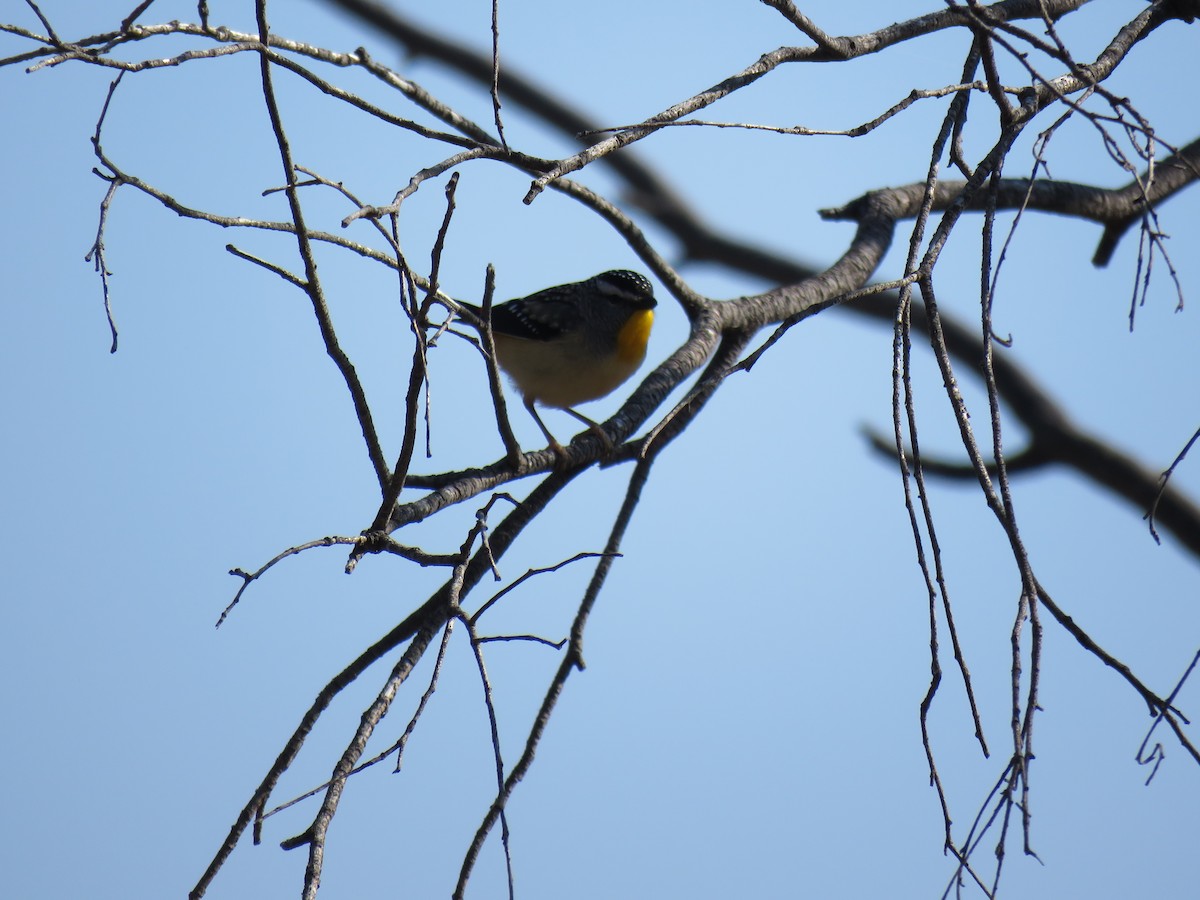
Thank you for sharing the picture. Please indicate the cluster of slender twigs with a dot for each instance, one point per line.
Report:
(716, 346)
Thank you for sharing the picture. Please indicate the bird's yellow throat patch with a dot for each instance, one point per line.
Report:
(632, 338)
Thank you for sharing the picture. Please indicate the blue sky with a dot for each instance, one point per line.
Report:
(747, 724)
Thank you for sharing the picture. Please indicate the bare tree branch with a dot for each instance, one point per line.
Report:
(1054, 85)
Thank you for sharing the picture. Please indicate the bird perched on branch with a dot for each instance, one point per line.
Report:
(572, 343)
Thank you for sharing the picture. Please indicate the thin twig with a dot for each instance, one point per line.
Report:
(571, 661)
(496, 77)
(400, 743)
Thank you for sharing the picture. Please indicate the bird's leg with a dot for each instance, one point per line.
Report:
(559, 450)
(594, 427)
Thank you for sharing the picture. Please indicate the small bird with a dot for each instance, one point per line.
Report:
(573, 343)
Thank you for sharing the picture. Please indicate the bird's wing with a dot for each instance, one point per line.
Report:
(543, 316)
